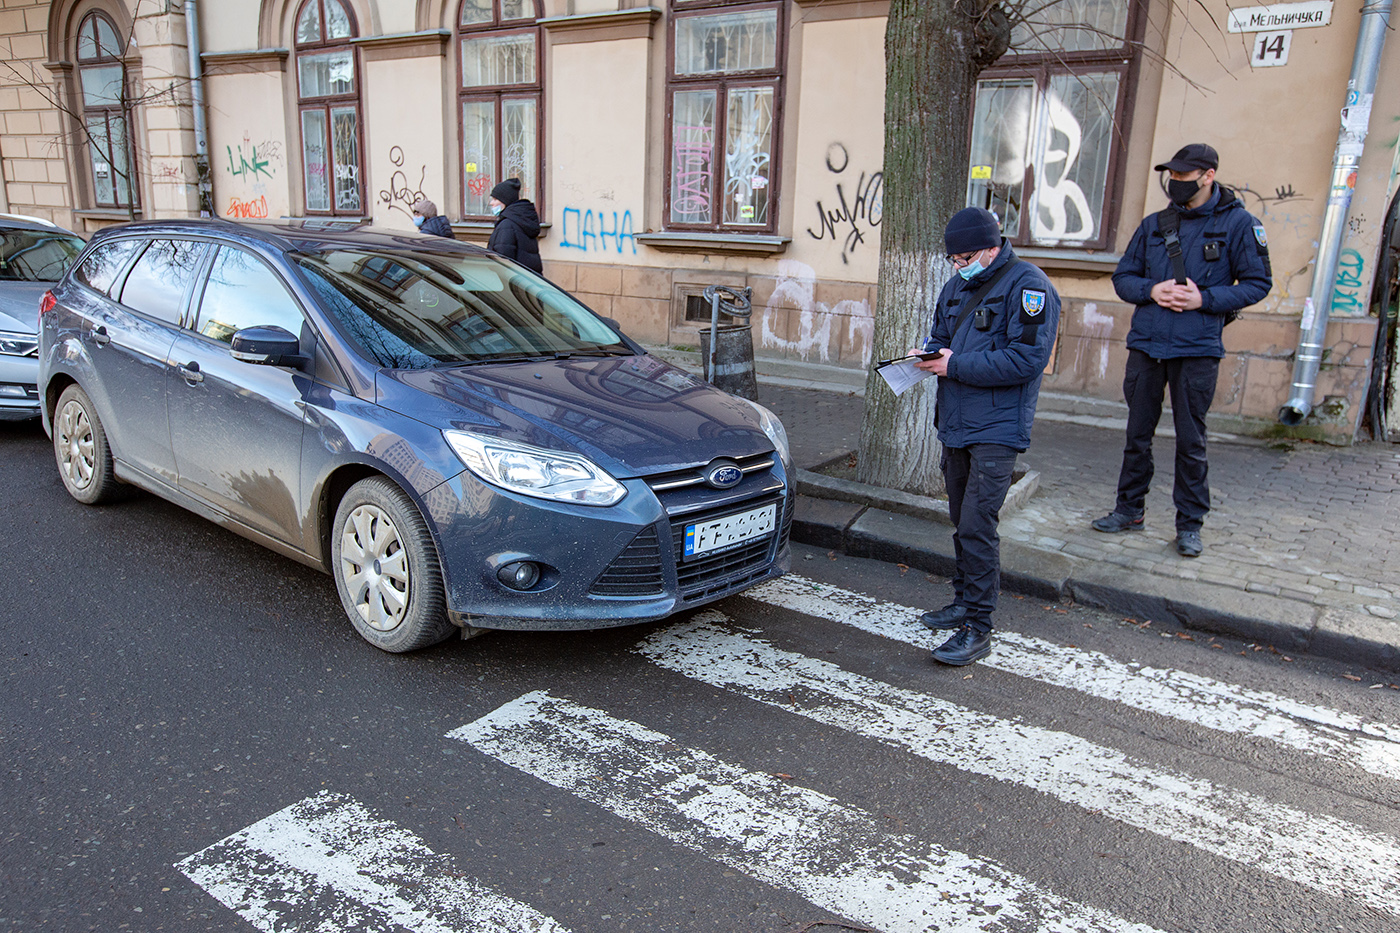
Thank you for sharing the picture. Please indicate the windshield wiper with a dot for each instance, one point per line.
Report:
(513, 358)
(594, 351)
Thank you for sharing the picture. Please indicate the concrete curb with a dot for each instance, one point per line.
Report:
(923, 542)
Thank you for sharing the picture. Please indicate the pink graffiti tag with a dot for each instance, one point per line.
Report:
(693, 148)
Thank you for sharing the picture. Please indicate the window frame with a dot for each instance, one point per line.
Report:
(326, 105)
(1040, 68)
(498, 95)
(722, 83)
(109, 113)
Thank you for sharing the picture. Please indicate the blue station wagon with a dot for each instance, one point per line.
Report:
(457, 441)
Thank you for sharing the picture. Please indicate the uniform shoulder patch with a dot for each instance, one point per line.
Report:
(1260, 236)
(1032, 305)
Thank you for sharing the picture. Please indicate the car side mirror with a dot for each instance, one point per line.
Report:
(266, 345)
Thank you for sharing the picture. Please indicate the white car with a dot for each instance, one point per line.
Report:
(34, 254)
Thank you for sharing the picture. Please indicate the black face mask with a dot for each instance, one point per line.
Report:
(1181, 192)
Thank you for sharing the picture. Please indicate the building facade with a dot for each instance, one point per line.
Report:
(686, 143)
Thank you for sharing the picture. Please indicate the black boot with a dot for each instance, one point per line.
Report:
(949, 617)
(966, 646)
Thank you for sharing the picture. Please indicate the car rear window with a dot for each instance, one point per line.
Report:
(414, 311)
(102, 266)
(36, 255)
(157, 283)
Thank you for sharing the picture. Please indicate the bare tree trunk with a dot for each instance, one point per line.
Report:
(934, 50)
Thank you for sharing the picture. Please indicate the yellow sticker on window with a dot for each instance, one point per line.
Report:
(471, 166)
(980, 172)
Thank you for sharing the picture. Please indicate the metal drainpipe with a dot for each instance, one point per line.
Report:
(201, 129)
(1370, 39)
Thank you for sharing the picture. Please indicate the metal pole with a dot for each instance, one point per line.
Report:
(201, 128)
(1370, 39)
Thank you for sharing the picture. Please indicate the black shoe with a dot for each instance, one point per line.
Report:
(949, 617)
(1188, 543)
(966, 646)
(1115, 522)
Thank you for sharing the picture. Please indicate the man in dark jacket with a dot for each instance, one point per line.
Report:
(427, 219)
(995, 322)
(1221, 265)
(517, 226)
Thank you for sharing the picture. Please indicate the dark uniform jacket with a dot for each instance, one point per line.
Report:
(438, 225)
(517, 226)
(1226, 255)
(993, 381)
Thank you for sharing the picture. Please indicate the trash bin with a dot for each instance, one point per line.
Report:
(726, 350)
(733, 360)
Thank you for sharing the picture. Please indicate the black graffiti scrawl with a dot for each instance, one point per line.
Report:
(862, 213)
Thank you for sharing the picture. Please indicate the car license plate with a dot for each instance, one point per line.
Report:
(718, 533)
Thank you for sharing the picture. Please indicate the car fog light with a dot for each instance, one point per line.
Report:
(519, 575)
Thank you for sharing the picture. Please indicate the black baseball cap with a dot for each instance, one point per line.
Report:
(1189, 158)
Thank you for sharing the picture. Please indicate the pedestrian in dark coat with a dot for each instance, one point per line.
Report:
(427, 219)
(1221, 266)
(517, 226)
(995, 324)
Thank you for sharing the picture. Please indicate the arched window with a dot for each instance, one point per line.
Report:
(501, 99)
(328, 94)
(103, 85)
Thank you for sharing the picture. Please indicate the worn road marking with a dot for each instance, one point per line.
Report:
(327, 863)
(1320, 852)
(1224, 707)
(836, 856)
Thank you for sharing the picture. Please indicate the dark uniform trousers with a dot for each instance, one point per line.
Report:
(1191, 380)
(977, 478)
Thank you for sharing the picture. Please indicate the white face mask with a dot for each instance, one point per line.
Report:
(496, 209)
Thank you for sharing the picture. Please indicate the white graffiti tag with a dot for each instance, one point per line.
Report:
(796, 290)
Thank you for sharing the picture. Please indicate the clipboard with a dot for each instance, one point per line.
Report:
(902, 373)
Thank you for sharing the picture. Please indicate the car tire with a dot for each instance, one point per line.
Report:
(386, 568)
(81, 450)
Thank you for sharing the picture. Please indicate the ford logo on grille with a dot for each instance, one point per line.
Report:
(723, 474)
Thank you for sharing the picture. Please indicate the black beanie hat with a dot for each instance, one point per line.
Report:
(507, 192)
(970, 230)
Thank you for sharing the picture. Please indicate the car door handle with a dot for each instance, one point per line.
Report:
(101, 337)
(191, 374)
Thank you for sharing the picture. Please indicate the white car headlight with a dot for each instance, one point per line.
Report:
(534, 471)
(775, 431)
(13, 344)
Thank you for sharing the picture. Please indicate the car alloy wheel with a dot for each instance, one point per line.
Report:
(386, 568)
(74, 445)
(80, 449)
(375, 568)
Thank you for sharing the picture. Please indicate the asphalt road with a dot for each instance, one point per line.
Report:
(193, 738)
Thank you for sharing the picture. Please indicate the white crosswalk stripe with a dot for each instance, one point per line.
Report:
(1201, 701)
(1318, 851)
(836, 856)
(327, 863)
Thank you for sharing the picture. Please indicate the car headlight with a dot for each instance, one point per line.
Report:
(534, 471)
(17, 344)
(775, 431)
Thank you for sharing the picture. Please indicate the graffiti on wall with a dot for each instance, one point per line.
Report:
(252, 164)
(862, 212)
(796, 289)
(590, 231)
(1095, 343)
(247, 210)
(399, 196)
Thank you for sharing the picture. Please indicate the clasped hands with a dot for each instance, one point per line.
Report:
(1176, 297)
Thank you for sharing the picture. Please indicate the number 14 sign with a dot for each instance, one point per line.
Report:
(1270, 48)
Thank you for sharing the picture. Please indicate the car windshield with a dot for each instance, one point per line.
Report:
(36, 255)
(418, 310)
